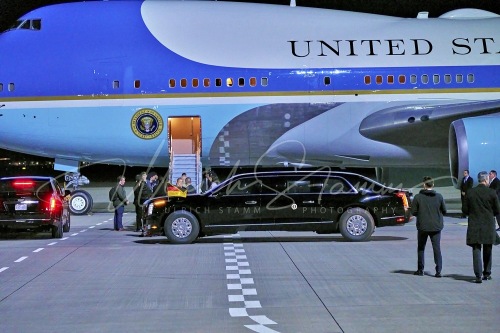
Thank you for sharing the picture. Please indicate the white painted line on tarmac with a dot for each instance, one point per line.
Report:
(83, 230)
(3, 269)
(75, 234)
(64, 238)
(53, 243)
(21, 259)
(92, 227)
(238, 281)
(38, 250)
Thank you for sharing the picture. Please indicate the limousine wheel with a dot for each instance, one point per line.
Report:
(356, 224)
(181, 227)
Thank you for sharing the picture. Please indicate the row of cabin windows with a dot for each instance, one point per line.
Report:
(424, 79)
(230, 82)
(378, 79)
(206, 82)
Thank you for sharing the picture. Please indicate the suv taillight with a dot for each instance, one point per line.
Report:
(52, 205)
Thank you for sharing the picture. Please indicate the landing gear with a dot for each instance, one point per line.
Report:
(80, 202)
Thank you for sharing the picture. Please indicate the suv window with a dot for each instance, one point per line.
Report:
(26, 187)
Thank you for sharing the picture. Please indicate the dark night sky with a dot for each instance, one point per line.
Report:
(10, 10)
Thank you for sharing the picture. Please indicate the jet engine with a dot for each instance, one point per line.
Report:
(474, 145)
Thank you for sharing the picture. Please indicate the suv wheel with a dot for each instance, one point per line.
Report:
(57, 229)
(356, 224)
(181, 227)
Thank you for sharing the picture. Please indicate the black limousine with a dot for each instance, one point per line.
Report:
(320, 201)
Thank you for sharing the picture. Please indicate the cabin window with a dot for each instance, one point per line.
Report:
(171, 83)
(413, 79)
(241, 81)
(229, 82)
(470, 78)
(137, 84)
(12, 87)
(206, 82)
(264, 82)
(253, 81)
(402, 79)
(184, 83)
(218, 82)
(425, 79)
(390, 79)
(368, 79)
(436, 78)
(447, 78)
(327, 80)
(1, 87)
(116, 84)
(459, 78)
(378, 79)
(195, 83)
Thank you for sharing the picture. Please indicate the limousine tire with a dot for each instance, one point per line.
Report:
(356, 225)
(181, 227)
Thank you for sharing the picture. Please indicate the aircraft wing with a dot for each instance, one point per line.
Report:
(421, 124)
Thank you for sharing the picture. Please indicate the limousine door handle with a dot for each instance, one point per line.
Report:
(250, 202)
(308, 201)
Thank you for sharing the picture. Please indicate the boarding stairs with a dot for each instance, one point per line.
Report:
(188, 163)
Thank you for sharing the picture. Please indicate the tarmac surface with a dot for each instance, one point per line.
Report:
(99, 280)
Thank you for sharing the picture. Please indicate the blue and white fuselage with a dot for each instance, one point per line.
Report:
(101, 81)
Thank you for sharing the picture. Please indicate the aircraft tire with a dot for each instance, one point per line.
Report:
(80, 203)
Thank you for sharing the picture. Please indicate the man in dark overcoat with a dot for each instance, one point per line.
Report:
(465, 184)
(495, 184)
(481, 206)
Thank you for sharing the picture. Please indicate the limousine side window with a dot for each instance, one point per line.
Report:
(242, 187)
(338, 185)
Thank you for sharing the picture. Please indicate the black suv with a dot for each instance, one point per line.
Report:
(321, 201)
(33, 203)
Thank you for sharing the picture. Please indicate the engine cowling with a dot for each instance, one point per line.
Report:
(474, 145)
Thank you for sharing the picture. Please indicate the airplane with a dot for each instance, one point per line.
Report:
(244, 84)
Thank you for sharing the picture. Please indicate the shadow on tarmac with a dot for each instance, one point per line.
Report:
(458, 277)
(270, 239)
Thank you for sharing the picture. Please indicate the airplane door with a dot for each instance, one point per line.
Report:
(185, 135)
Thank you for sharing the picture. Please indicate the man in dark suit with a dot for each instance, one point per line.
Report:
(481, 206)
(465, 185)
(495, 184)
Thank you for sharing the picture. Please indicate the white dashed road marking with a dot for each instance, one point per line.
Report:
(240, 289)
(53, 243)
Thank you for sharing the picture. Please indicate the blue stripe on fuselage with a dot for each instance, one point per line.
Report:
(81, 55)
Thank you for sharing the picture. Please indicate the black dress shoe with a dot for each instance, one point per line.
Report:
(487, 277)
(419, 273)
(478, 280)
(438, 275)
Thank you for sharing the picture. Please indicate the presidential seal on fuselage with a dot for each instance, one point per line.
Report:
(147, 124)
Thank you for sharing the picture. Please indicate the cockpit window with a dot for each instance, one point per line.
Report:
(33, 24)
